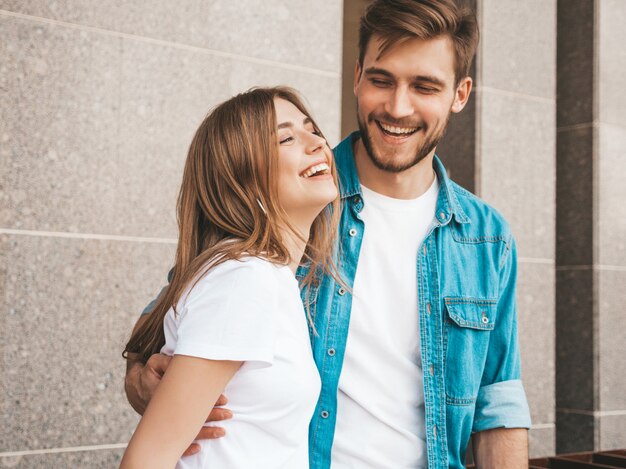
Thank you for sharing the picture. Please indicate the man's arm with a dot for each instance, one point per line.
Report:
(501, 447)
(502, 416)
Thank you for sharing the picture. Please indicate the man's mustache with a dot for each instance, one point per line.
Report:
(387, 119)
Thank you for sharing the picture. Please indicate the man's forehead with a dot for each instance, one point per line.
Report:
(412, 55)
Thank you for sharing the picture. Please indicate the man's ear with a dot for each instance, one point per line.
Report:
(461, 95)
(357, 76)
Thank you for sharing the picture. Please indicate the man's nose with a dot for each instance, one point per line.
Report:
(399, 104)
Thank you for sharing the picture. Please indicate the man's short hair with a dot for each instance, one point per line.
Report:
(396, 21)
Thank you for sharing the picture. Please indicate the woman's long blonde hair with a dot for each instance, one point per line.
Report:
(228, 206)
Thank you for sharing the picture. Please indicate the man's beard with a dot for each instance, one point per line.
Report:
(422, 151)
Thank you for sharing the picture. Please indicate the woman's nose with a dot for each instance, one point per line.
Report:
(315, 144)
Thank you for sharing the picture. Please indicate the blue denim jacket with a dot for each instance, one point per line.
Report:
(466, 272)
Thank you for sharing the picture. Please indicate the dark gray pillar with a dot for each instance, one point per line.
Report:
(591, 232)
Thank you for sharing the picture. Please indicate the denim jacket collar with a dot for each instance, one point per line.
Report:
(447, 204)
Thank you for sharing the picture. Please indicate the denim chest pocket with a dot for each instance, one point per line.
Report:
(466, 339)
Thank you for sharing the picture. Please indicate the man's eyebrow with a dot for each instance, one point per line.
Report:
(429, 79)
(378, 71)
(416, 78)
(289, 124)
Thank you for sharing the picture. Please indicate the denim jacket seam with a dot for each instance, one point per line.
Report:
(508, 241)
(459, 300)
(458, 401)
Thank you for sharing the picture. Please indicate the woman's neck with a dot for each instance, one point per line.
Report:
(296, 244)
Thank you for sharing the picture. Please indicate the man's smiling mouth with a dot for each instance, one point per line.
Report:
(395, 131)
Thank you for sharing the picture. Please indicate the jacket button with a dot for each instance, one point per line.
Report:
(342, 291)
(352, 232)
(324, 414)
(331, 352)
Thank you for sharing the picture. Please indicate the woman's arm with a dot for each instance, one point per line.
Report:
(177, 410)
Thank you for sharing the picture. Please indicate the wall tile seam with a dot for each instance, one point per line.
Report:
(581, 126)
(177, 45)
(543, 426)
(596, 124)
(87, 236)
(70, 449)
(536, 260)
(592, 413)
(604, 123)
(596, 267)
(514, 94)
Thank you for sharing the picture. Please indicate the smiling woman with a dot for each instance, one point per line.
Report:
(257, 196)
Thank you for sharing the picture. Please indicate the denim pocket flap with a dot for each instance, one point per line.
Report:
(472, 313)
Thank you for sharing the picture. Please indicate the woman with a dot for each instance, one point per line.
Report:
(254, 201)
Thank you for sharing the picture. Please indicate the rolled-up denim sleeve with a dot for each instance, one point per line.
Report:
(501, 400)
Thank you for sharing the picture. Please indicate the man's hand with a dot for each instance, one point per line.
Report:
(501, 447)
(141, 382)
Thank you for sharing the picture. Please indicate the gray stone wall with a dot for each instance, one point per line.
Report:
(515, 172)
(591, 234)
(99, 101)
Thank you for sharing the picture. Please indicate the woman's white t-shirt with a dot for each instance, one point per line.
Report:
(250, 310)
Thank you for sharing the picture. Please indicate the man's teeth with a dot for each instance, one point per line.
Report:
(318, 168)
(397, 130)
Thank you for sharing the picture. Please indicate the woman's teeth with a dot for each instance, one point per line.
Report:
(322, 168)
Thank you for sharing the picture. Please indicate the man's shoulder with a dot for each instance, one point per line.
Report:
(485, 220)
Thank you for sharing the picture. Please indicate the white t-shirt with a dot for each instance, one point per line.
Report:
(250, 310)
(380, 408)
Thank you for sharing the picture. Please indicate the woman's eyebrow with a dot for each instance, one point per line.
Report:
(288, 124)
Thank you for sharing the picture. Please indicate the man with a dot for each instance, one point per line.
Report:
(422, 351)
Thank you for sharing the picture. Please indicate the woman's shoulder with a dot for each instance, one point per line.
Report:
(249, 272)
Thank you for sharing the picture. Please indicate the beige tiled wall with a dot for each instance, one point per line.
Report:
(516, 163)
(99, 103)
(591, 249)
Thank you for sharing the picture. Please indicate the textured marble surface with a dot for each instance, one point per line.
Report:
(611, 60)
(575, 432)
(576, 365)
(612, 432)
(68, 307)
(575, 215)
(541, 442)
(575, 63)
(517, 167)
(99, 459)
(535, 300)
(98, 129)
(518, 41)
(611, 341)
(610, 194)
(306, 34)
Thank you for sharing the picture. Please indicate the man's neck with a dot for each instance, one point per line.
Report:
(408, 184)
